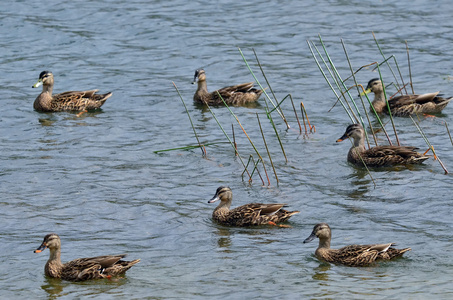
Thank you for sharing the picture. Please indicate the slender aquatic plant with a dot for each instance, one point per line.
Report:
(203, 149)
(324, 62)
(262, 88)
(430, 146)
(409, 66)
(255, 167)
(388, 65)
(276, 107)
(448, 131)
(248, 137)
(297, 117)
(305, 115)
(267, 149)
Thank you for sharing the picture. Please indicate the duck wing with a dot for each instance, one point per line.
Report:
(89, 268)
(356, 255)
(386, 151)
(239, 88)
(253, 214)
(79, 100)
(412, 99)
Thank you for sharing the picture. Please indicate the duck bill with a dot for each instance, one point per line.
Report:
(310, 238)
(344, 137)
(38, 84)
(41, 248)
(214, 199)
(367, 91)
(197, 73)
(195, 78)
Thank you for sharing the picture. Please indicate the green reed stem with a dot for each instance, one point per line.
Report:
(388, 107)
(429, 144)
(409, 65)
(263, 89)
(388, 65)
(203, 150)
(250, 140)
(361, 99)
(295, 113)
(325, 76)
(229, 140)
(270, 87)
(448, 131)
(269, 116)
(340, 83)
(245, 169)
(303, 117)
(267, 149)
(278, 105)
(312, 128)
(253, 170)
(189, 147)
(376, 115)
(234, 139)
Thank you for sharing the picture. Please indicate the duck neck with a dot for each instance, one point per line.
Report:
(324, 243)
(54, 265)
(55, 256)
(222, 210)
(223, 206)
(379, 101)
(359, 142)
(48, 88)
(202, 87)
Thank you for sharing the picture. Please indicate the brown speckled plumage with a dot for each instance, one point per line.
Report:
(67, 101)
(353, 255)
(405, 105)
(381, 155)
(233, 95)
(82, 268)
(249, 214)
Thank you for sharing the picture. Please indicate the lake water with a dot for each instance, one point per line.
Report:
(97, 182)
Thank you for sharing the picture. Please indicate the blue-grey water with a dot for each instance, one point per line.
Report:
(97, 182)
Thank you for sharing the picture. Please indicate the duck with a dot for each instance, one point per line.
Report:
(379, 156)
(67, 101)
(232, 95)
(81, 269)
(352, 255)
(248, 214)
(405, 105)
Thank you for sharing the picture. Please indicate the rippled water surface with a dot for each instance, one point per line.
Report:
(97, 182)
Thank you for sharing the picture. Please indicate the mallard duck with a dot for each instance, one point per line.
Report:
(233, 95)
(249, 214)
(353, 255)
(67, 101)
(405, 105)
(380, 155)
(82, 268)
